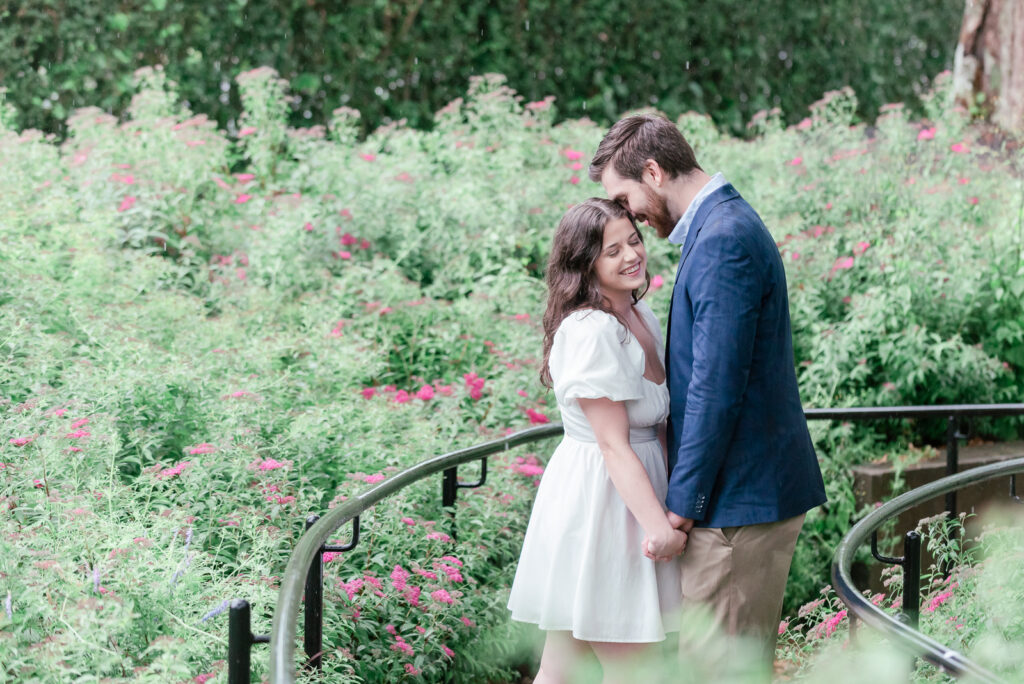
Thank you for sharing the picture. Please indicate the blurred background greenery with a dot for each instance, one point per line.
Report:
(408, 58)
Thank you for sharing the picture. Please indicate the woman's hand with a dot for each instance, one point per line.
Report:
(664, 546)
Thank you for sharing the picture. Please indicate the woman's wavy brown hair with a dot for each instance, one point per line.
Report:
(572, 284)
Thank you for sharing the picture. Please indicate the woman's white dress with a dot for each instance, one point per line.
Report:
(581, 568)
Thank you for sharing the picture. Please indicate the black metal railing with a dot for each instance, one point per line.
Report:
(902, 629)
(303, 577)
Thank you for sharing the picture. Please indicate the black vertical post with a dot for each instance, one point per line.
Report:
(449, 487)
(952, 462)
(313, 622)
(239, 642)
(912, 578)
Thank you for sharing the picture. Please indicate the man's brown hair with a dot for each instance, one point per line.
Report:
(635, 139)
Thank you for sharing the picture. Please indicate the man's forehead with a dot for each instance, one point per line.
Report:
(612, 181)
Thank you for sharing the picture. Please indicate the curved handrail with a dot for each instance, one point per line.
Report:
(842, 579)
(286, 613)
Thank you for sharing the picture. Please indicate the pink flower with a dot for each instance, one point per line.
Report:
(240, 273)
(861, 247)
(833, 622)
(411, 670)
(77, 434)
(202, 678)
(795, 161)
(938, 601)
(60, 412)
(281, 499)
(577, 166)
(244, 177)
(962, 181)
(243, 198)
(328, 556)
(426, 573)
(656, 283)
(38, 484)
(575, 180)
(926, 133)
(271, 464)
(536, 417)
(795, 256)
(399, 576)
(351, 587)
(889, 386)
(409, 521)
(426, 393)
(401, 645)
(369, 392)
(79, 423)
(522, 316)
(958, 147)
(522, 393)
(308, 227)
(364, 244)
(348, 239)
(344, 256)
(842, 263)
(445, 390)
(453, 574)
(441, 536)
(452, 559)
(375, 478)
(127, 203)
(572, 155)
(447, 651)
(466, 621)
(442, 596)
(368, 157)
(402, 397)
(412, 595)
(336, 331)
(203, 448)
(173, 471)
(782, 627)
(21, 441)
(248, 130)
(972, 200)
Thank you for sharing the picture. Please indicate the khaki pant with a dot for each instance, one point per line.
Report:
(740, 573)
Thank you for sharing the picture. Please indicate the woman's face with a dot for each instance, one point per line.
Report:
(622, 264)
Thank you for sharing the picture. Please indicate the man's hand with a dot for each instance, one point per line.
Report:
(679, 522)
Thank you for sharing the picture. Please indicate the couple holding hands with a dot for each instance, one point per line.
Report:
(686, 469)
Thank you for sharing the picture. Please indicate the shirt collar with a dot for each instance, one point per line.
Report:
(678, 234)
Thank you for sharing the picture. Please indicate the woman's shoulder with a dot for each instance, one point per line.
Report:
(589, 321)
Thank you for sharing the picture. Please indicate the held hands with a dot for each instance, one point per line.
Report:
(661, 547)
(664, 547)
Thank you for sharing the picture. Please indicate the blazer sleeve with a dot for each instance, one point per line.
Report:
(725, 289)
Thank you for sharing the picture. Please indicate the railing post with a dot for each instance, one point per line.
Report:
(912, 578)
(239, 642)
(313, 622)
(952, 462)
(449, 488)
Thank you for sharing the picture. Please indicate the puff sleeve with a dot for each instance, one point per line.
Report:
(594, 356)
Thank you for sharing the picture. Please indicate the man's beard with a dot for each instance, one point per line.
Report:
(657, 213)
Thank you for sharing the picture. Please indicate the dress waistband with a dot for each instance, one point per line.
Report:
(637, 435)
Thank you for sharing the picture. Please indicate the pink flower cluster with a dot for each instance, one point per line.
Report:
(22, 441)
(475, 384)
(204, 448)
(527, 465)
(536, 417)
(271, 464)
(173, 471)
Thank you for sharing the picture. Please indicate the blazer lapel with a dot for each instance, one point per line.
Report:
(723, 194)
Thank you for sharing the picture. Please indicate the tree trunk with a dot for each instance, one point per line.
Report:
(988, 70)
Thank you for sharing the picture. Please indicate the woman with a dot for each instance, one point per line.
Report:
(587, 573)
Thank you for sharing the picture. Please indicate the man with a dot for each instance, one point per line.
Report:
(742, 467)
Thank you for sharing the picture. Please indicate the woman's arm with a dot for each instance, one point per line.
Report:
(610, 424)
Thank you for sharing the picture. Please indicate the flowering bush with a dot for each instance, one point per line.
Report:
(209, 336)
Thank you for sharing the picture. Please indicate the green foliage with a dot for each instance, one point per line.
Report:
(405, 60)
(254, 326)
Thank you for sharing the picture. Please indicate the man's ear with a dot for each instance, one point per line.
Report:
(653, 173)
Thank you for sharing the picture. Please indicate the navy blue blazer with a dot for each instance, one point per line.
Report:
(739, 449)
